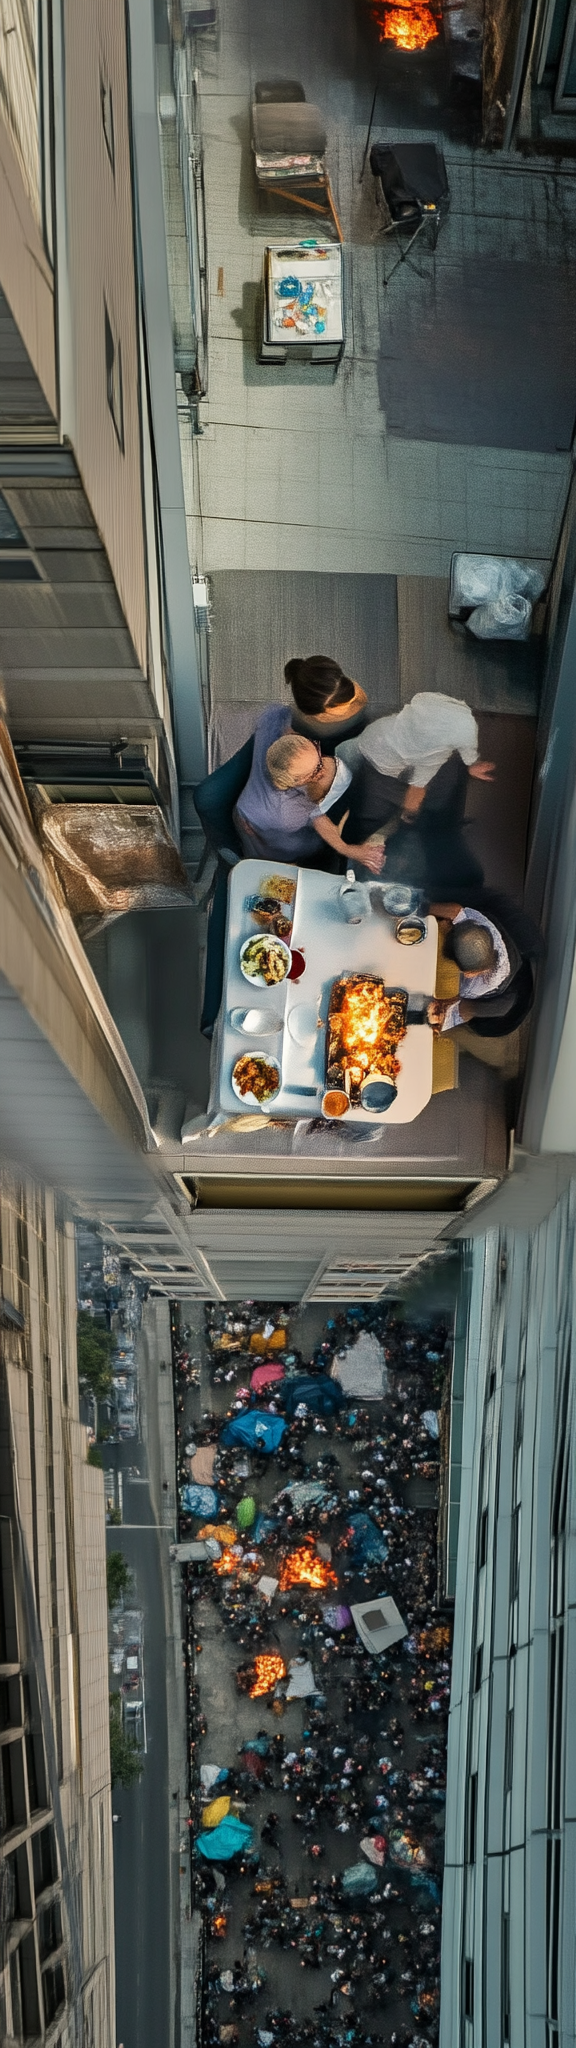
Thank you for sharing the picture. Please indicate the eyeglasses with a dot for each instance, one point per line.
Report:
(316, 771)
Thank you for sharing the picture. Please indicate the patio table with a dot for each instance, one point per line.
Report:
(331, 947)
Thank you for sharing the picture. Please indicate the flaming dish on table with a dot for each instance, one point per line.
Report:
(366, 1024)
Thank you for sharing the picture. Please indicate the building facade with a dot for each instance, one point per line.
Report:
(57, 1939)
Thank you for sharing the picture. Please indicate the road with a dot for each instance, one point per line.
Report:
(144, 1994)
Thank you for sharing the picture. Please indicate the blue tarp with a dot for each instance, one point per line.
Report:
(265, 1432)
(322, 1396)
(369, 1546)
(199, 1500)
(219, 1844)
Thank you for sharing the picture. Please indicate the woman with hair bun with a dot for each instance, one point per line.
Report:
(328, 706)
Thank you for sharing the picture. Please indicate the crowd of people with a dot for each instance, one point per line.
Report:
(355, 1801)
(326, 786)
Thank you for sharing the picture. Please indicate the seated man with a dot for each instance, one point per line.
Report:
(494, 955)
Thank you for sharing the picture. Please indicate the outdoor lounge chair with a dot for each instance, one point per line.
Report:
(289, 144)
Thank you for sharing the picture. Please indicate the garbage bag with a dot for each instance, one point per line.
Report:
(506, 618)
(216, 1811)
(264, 1526)
(305, 1493)
(358, 1879)
(264, 1432)
(227, 1840)
(368, 1544)
(222, 1531)
(374, 1848)
(245, 1512)
(199, 1500)
(480, 579)
(211, 1775)
(337, 1617)
(322, 1396)
(259, 1743)
(264, 1376)
(430, 1419)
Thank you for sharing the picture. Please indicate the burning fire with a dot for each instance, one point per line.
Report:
(369, 1026)
(228, 1562)
(267, 1671)
(411, 27)
(302, 1568)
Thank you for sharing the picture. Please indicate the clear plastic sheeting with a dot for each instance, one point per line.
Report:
(110, 858)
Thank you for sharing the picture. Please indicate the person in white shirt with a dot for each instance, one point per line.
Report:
(413, 744)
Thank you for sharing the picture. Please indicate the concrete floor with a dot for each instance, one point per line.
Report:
(232, 1717)
(298, 469)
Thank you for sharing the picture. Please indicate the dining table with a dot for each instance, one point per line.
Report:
(325, 944)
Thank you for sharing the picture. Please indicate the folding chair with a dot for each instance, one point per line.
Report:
(412, 186)
(289, 144)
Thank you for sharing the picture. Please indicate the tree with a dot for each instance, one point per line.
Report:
(118, 1576)
(94, 1355)
(125, 1760)
(94, 1456)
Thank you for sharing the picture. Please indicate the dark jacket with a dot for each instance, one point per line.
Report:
(496, 1015)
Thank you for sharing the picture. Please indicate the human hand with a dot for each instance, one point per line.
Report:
(372, 857)
(483, 771)
(436, 1012)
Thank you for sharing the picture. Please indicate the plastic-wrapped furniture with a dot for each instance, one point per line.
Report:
(289, 145)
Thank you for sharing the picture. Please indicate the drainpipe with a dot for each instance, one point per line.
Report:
(180, 623)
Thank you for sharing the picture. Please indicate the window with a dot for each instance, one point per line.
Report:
(483, 1539)
(107, 112)
(114, 392)
(478, 1661)
(468, 1989)
(17, 564)
(472, 1818)
(10, 535)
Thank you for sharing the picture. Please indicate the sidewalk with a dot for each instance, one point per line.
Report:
(160, 1434)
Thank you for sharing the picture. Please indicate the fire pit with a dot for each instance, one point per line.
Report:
(268, 1670)
(411, 26)
(304, 1568)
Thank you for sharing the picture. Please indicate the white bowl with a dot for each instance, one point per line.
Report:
(256, 1023)
(257, 980)
(249, 1098)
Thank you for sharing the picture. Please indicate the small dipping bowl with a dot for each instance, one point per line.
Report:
(335, 1104)
(410, 931)
(377, 1095)
(256, 1023)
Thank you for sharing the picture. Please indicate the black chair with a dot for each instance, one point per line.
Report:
(214, 801)
(289, 145)
(412, 186)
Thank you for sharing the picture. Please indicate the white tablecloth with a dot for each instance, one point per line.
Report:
(332, 947)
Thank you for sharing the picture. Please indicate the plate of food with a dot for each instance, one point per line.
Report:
(256, 1078)
(265, 960)
(269, 914)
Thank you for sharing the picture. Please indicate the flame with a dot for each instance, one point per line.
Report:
(228, 1562)
(368, 1028)
(267, 1671)
(219, 1926)
(411, 26)
(303, 1568)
